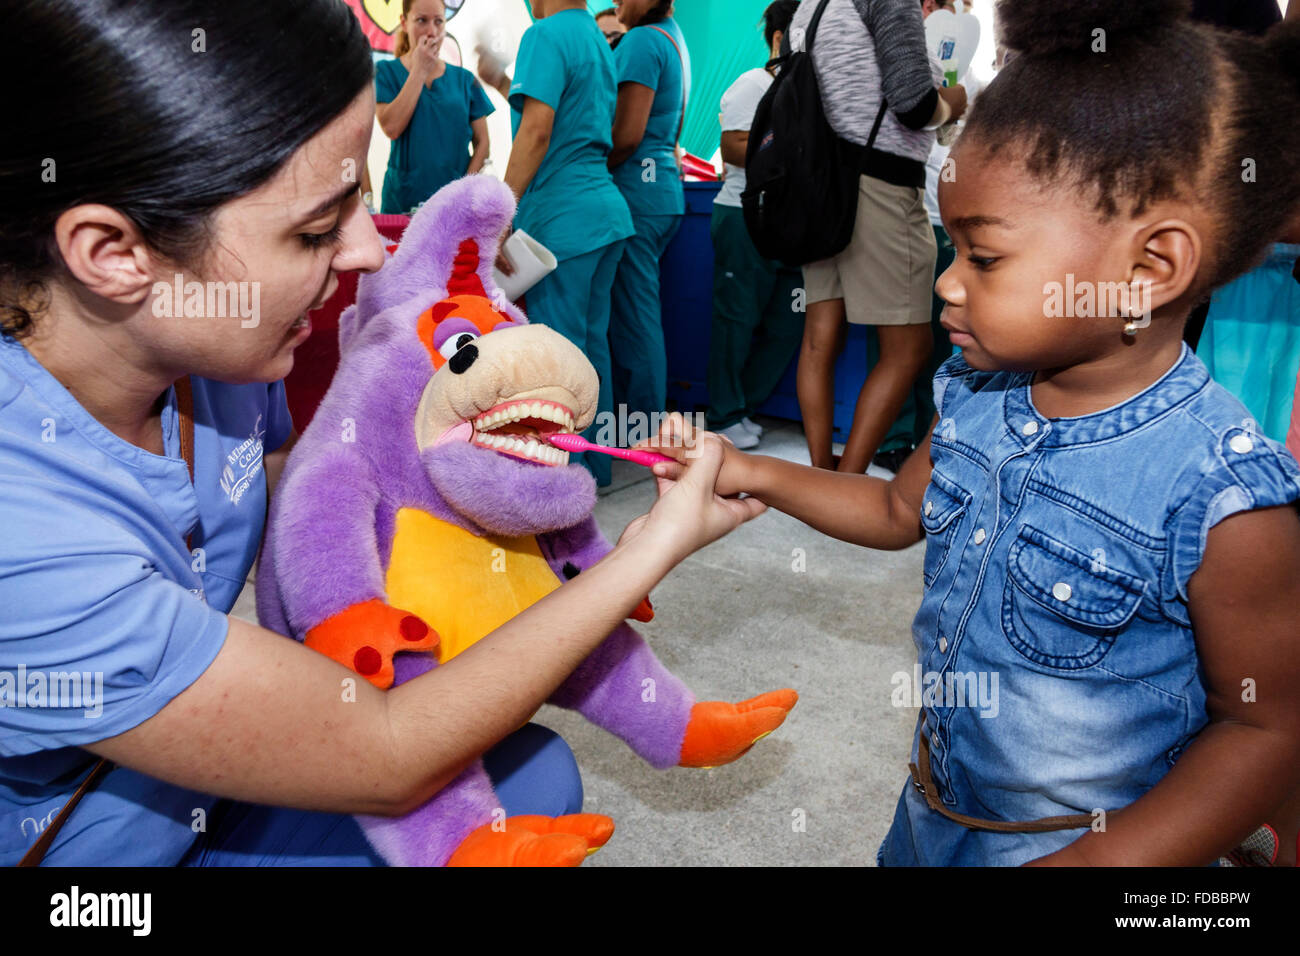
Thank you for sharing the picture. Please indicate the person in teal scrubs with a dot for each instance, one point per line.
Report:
(653, 78)
(431, 110)
(562, 110)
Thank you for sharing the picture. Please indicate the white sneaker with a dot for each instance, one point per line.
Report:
(739, 435)
(754, 427)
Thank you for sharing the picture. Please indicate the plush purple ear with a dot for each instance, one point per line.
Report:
(474, 207)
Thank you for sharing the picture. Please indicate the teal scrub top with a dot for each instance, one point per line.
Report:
(107, 614)
(435, 147)
(649, 178)
(572, 205)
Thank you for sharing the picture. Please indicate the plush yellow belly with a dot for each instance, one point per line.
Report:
(462, 585)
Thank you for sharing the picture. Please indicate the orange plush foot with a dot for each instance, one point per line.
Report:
(535, 841)
(364, 638)
(719, 732)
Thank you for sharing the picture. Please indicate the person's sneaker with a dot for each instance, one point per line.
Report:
(754, 427)
(739, 435)
(891, 460)
(1258, 849)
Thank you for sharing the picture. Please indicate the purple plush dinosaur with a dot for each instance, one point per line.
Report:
(422, 508)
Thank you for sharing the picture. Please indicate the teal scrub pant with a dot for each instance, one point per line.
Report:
(756, 329)
(636, 328)
(914, 419)
(575, 301)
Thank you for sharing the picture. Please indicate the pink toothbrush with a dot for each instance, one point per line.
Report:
(576, 443)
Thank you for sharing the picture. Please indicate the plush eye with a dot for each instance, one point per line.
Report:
(455, 343)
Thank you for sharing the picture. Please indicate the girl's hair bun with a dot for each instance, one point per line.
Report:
(1034, 27)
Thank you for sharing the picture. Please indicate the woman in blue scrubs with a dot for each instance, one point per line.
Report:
(433, 112)
(119, 567)
(562, 110)
(653, 79)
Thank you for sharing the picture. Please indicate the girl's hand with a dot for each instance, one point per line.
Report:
(680, 440)
(690, 513)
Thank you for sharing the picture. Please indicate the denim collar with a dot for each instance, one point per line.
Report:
(1184, 379)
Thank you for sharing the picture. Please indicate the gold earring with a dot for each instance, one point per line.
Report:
(1130, 328)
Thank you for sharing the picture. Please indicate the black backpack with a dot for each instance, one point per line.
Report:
(801, 178)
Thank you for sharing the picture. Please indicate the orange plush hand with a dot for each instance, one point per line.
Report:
(719, 732)
(535, 841)
(365, 636)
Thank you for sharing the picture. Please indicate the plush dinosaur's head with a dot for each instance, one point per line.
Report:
(498, 382)
(440, 373)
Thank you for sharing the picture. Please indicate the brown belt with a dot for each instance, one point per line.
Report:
(925, 784)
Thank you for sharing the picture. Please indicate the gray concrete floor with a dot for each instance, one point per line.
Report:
(735, 620)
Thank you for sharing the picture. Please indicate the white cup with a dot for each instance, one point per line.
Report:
(532, 262)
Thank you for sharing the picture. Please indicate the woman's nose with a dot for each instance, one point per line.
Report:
(362, 249)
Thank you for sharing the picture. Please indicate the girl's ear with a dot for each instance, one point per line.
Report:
(1167, 255)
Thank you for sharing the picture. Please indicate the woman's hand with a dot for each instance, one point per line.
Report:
(424, 61)
(503, 261)
(690, 513)
(680, 440)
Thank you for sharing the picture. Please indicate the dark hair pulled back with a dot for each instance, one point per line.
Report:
(161, 109)
(1136, 104)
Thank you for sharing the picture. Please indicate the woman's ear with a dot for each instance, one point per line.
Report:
(1166, 255)
(105, 251)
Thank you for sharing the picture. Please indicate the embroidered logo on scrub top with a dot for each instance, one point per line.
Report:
(243, 464)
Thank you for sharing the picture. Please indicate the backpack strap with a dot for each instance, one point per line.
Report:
(36, 853)
(682, 60)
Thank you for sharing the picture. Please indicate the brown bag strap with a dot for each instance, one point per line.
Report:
(925, 784)
(681, 119)
(37, 851)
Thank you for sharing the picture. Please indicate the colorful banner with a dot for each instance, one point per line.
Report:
(381, 19)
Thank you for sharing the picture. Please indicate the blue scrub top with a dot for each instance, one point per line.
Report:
(572, 205)
(649, 178)
(435, 147)
(97, 586)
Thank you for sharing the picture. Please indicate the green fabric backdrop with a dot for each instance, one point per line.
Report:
(725, 38)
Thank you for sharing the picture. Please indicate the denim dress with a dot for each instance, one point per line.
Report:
(1054, 639)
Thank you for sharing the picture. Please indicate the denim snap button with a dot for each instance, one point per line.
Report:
(1241, 444)
(929, 508)
(980, 535)
(1030, 428)
(1062, 591)
(943, 645)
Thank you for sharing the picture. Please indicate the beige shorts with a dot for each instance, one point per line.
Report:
(886, 274)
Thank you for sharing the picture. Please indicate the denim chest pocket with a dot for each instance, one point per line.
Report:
(941, 511)
(1062, 608)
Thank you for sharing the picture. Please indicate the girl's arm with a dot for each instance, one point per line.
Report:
(479, 131)
(630, 118)
(273, 722)
(859, 509)
(1244, 601)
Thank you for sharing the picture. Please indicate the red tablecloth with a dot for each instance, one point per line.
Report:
(316, 359)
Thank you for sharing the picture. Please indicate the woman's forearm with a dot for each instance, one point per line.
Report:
(1223, 787)
(394, 117)
(496, 685)
(482, 146)
(526, 157)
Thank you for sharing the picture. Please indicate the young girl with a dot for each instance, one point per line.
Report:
(432, 111)
(1107, 531)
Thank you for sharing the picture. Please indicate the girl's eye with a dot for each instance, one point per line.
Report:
(315, 240)
(456, 343)
(982, 262)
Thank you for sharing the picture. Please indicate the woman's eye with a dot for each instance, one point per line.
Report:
(456, 343)
(315, 240)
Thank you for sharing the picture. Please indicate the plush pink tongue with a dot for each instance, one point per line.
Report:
(462, 432)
